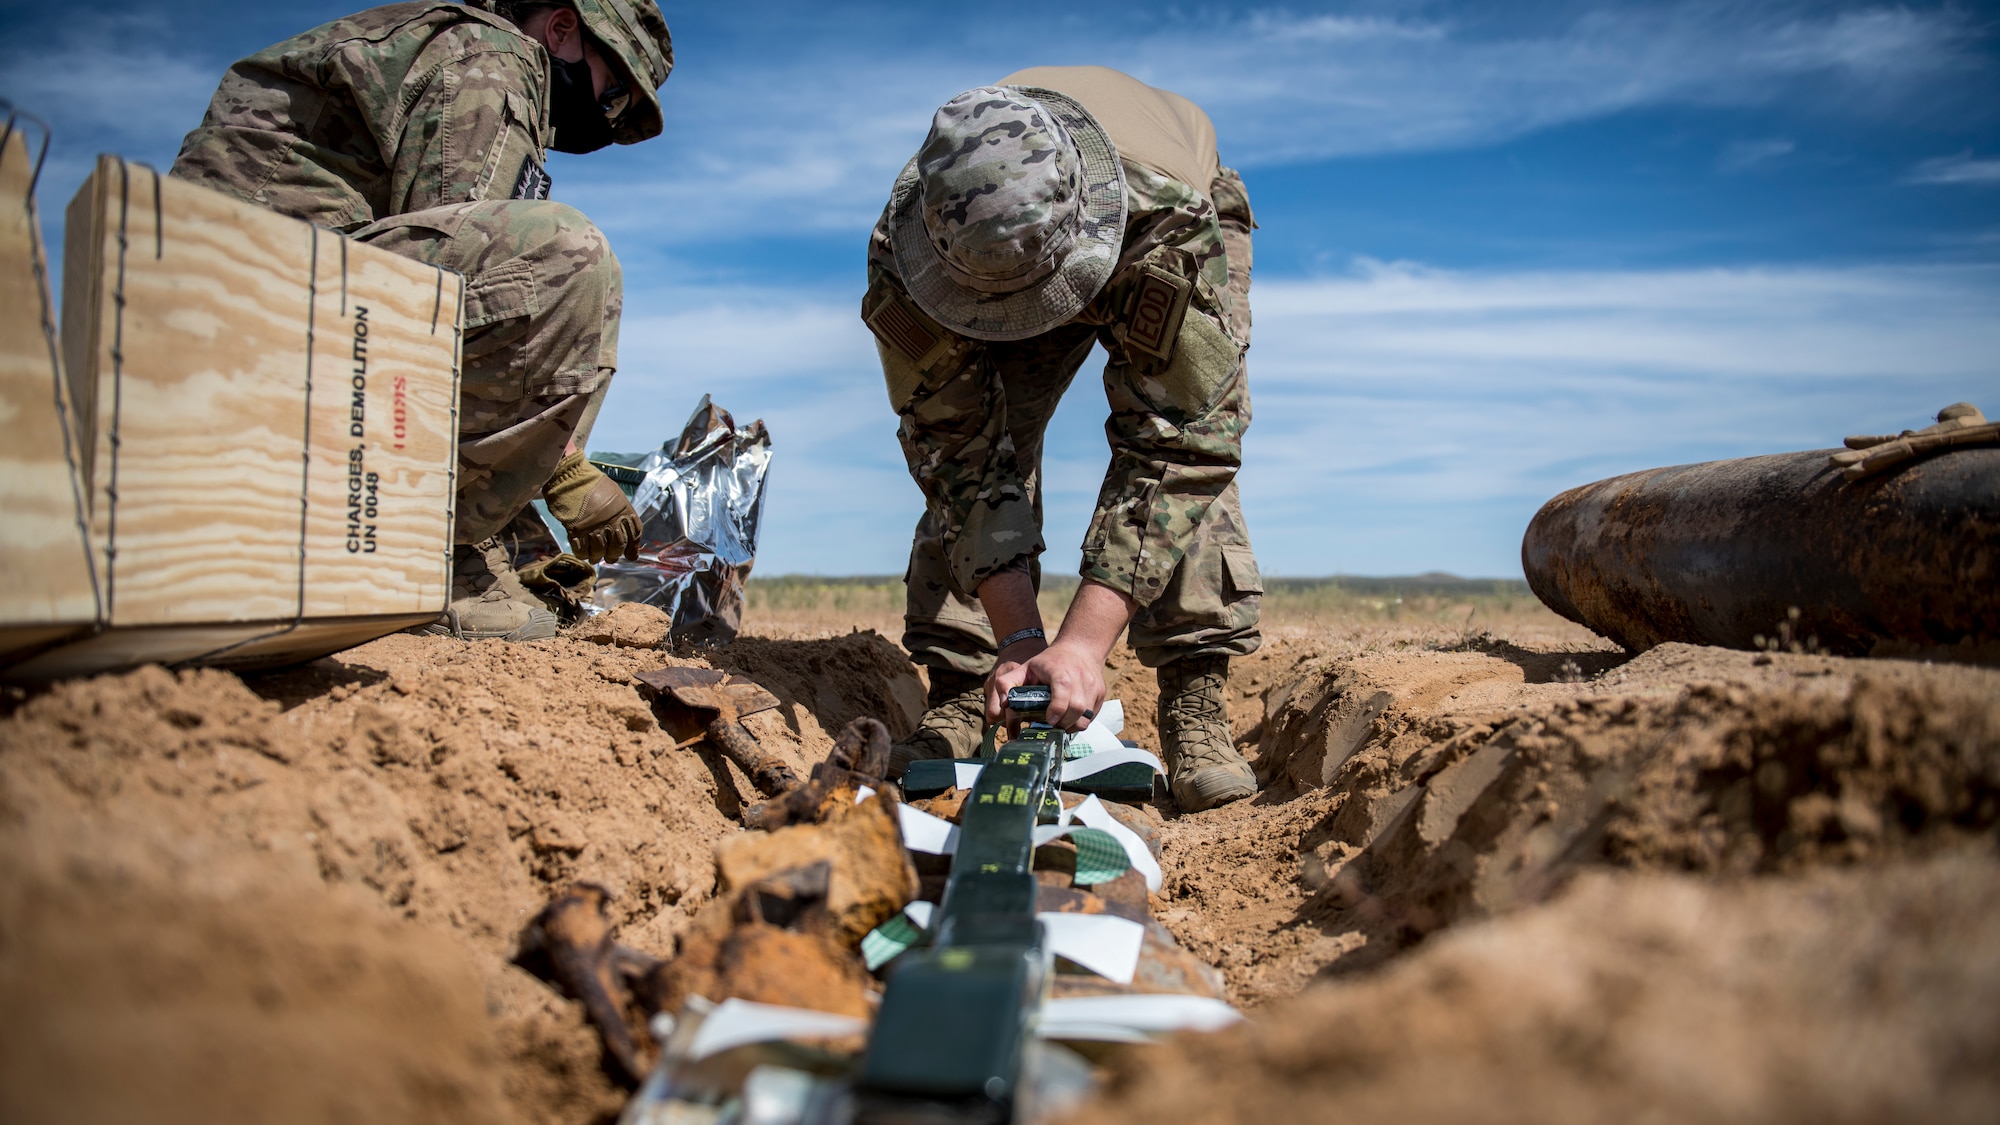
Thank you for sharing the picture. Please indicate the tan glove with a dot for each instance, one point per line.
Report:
(561, 579)
(1961, 423)
(591, 506)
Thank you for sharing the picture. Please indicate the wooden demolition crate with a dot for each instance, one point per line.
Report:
(47, 591)
(267, 435)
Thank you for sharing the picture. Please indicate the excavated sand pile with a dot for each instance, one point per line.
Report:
(297, 898)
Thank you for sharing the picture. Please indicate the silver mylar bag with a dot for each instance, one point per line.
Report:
(700, 500)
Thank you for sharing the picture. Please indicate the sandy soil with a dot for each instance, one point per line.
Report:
(1495, 874)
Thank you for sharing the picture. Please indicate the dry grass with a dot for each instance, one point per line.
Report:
(1430, 611)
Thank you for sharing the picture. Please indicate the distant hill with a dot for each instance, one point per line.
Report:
(1435, 584)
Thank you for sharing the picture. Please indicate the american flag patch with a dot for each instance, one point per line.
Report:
(898, 324)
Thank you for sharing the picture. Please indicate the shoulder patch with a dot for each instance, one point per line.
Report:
(898, 323)
(533, 182)
(1158, 305)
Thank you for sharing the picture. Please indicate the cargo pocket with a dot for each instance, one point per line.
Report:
(1241, 563)
(1205, 360)
(500, 305)
(902, 376)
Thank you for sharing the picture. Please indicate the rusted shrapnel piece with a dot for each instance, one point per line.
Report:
(860, 756)
(721, 702)
(1718, 553)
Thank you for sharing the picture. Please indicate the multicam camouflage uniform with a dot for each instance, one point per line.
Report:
(1168, 527)
(422, 128)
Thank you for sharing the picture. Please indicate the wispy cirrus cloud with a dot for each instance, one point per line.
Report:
(1962, 168)
(1283, 88)
(1383, 85)
(1742, 156)
(1408, 418)
(1407, 413)
(110, 77)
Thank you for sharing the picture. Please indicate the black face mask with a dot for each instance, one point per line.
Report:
(581, 125)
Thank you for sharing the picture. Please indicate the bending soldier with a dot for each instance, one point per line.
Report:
(423, 128)
(1063, 208)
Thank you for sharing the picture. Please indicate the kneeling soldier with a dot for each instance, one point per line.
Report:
(422, 128)
(1063, 208)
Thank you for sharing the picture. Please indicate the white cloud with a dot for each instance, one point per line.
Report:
(1960, 169)
(1281, 91)
(1282, 88)
(109, 79)
(1408, 418)
(1741, 156)
(1413, 418)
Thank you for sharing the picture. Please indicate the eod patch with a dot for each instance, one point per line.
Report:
(1159, 304)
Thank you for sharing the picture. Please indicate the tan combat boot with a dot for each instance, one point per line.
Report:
(1203, 768)
(488, 601)
(953, 724)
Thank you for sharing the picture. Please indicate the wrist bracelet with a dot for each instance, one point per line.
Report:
(1021, 635)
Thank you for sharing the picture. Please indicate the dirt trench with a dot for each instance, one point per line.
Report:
(1496, 884)
(1488, 879)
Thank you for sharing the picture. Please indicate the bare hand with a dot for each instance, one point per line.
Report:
(1009, 673)
(1073, 675)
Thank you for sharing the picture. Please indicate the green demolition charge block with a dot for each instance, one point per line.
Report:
(955, 1018)
(1128, 781)
(1131, 782)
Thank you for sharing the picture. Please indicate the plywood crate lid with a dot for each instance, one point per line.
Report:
(47, 590)
(270, 418)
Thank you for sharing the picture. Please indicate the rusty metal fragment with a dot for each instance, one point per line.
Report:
(719, 703)
(859, 758)
(1720, 553)
(574, 942)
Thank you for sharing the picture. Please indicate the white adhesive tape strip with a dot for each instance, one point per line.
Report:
(1093, 813)
(736, 1023)
(1111, 717)
(1103, 943)
(1127, 1019)
(1097, 763)
(1099, 738)
(923, 832)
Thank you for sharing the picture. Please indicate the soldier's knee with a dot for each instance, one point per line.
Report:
(561, 232)
(567, 253)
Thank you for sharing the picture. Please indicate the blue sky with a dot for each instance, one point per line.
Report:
(1506, 248)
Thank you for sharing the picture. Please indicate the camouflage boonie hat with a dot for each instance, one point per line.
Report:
(636, 32)
(1010, 218)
